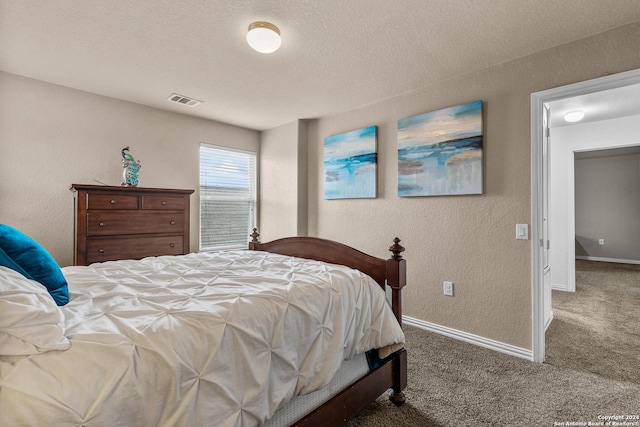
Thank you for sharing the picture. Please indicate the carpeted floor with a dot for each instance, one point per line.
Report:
(452, 383)
(597, 328)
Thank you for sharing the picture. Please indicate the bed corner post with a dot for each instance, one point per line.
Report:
(396, 277)
(253, 244)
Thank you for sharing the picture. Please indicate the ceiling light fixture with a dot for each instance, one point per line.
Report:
(574, 116)
(263, 37)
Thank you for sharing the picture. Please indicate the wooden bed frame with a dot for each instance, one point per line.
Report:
(392, 373)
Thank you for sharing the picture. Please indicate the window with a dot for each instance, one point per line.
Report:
(227, 197)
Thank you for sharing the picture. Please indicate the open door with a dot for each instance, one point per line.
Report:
(544, 245)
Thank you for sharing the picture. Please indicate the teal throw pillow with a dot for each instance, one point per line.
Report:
(21, 253)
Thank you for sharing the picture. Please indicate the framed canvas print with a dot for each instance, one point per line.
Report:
(440, 153)
(350, 161)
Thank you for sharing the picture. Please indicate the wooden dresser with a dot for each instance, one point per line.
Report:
(114, 223)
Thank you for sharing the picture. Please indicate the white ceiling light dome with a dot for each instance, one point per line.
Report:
(574, 116)
(264, 37)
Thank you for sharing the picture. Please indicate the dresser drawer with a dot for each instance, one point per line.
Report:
(110, 249)
(163, 202)
(105, 223)
(112, 201)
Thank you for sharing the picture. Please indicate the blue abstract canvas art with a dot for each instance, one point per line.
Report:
(440, 153)
(350, 161)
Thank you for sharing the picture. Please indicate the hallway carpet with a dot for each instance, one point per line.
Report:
(597, 328)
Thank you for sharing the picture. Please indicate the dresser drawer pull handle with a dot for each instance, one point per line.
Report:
(172, 222)
(172, 245)
(102, 224)
(101, 251)
(164, 203)
(113, 201)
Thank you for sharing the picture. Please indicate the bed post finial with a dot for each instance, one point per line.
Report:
(396, 277)
(396, 248)
(254, 236)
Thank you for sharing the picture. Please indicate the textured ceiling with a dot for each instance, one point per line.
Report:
(603, 105)
(335, 55)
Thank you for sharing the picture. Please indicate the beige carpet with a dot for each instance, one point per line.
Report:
(597, 328)
(452, 383)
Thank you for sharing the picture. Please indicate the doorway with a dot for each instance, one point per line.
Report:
(540, 198)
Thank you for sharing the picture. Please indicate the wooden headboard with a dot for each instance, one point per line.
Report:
(386, 272)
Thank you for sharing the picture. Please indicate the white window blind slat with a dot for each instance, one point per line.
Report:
(227, 197)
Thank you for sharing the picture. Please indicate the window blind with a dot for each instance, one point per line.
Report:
(227, 197)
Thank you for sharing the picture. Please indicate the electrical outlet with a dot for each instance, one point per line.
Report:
(448, 288)
(601, 242)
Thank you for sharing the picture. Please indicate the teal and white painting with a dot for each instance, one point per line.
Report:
(350, 161)
(440, 153)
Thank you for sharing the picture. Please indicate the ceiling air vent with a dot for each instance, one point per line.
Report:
(179, 99)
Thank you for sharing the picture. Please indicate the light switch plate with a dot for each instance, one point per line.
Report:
(522, 231)
(448, 288)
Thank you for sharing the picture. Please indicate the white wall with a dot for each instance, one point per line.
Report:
(52, 136)
(283, 181)
(607, 206)
(566, 140)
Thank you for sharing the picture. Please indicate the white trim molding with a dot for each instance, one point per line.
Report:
(470, 338)
(561, 287)
(601, 259)
(546, 326)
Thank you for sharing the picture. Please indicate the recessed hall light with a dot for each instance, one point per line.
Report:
(574, 116)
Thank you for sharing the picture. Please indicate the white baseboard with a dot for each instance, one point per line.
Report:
(470, 338)
(619, 261)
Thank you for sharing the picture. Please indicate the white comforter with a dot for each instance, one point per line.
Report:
(206, 339)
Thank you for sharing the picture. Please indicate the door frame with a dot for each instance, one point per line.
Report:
(538, 99)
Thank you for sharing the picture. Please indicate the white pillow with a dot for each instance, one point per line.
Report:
(30, 320)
